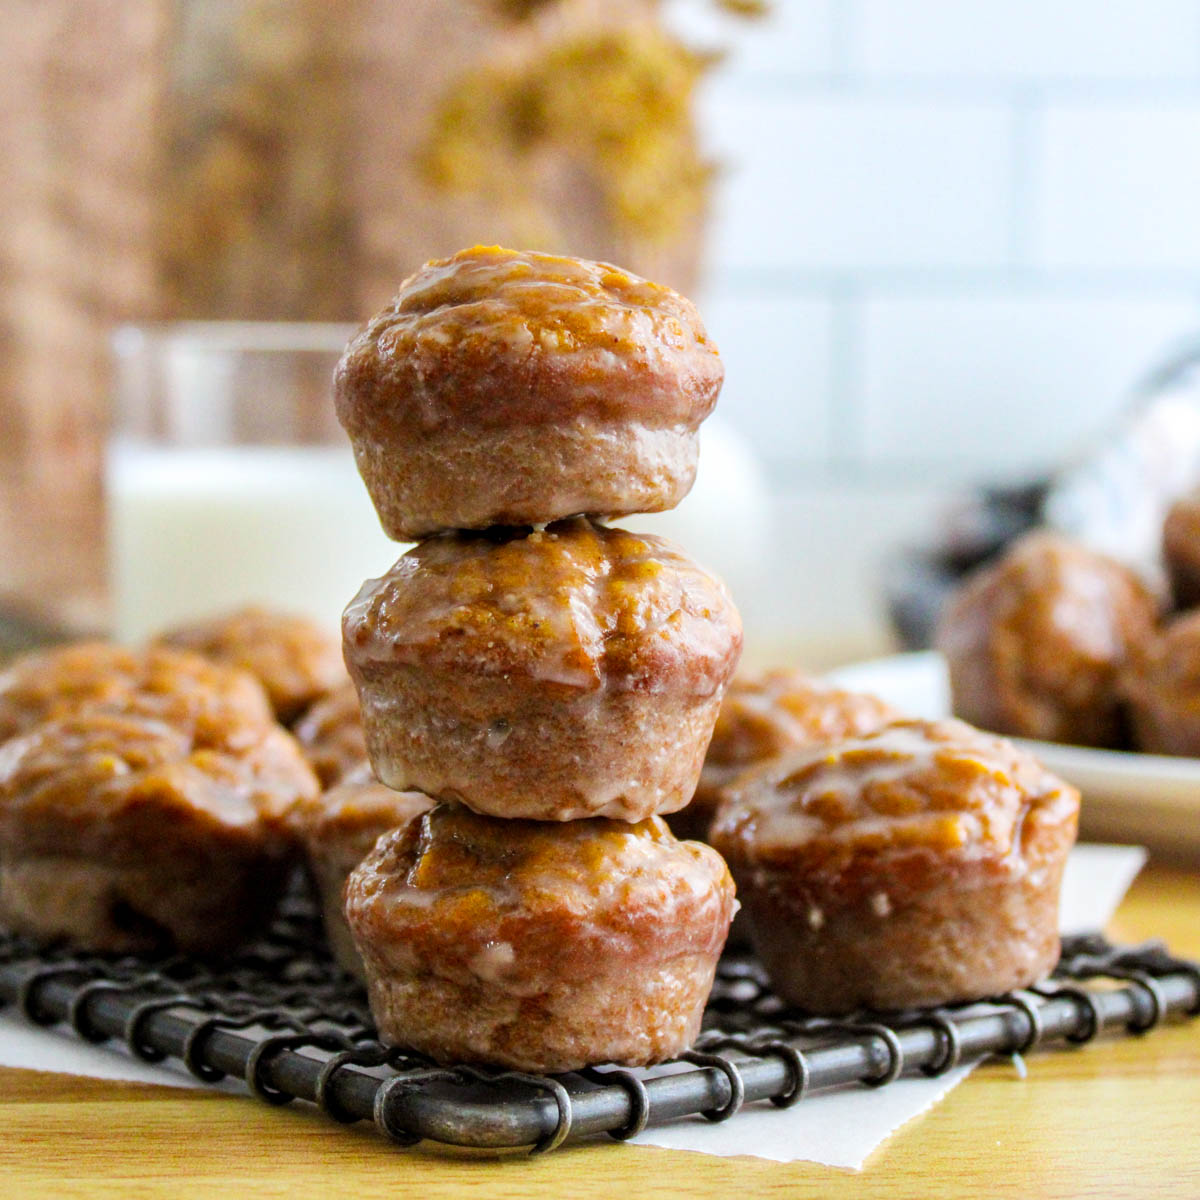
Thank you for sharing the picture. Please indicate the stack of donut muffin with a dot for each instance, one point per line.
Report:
(550, 681)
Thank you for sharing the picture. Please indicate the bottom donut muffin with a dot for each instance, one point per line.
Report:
(539, 946)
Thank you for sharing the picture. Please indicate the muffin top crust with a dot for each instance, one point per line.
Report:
(110, 781)
(764, 715)
(513, 896)
(494, 337)
(171, 686)
(577, 605)
(292, 657)
(937, 790)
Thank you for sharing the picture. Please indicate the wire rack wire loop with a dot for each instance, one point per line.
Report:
(132, 1033)
(1023, 1003)
(368, 1055)
(31, 985)
(728, 1068)
(949, 1042)
(639, 1100)
(799, 1074)
(78, 1016)
(387, 1097)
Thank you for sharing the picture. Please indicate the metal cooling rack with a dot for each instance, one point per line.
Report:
(285, 1019)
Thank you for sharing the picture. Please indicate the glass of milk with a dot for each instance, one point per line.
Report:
(229, 479)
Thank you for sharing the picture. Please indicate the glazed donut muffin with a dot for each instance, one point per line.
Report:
(1181, 550)
(338, 829)
(509, 388)
(549, 675)
(168, 685)
(293, 658)
(1036, 642)
(331, 735)
(1163, 687)
(122, 832)
(539, 947)
(764, 715)
(917, 865)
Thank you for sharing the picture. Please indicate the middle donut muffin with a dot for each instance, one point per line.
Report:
(550, 674)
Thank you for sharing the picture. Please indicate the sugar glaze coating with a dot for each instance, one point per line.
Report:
(169, 685)
(549, 674)
(535, 946)
(147, 819)
(916, 865)
(338, 829)
(765, 715)
(295, 660)
(508, 387)
(1036, 642)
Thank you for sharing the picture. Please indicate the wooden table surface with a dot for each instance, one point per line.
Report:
(1120, 1117)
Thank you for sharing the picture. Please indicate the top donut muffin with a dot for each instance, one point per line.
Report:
(512, 388)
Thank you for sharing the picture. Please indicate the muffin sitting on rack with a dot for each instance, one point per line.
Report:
(547, 667)
(917, 865)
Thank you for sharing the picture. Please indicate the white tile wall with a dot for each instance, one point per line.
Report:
(1119, 186)
(778, 368)
(1004, 383)
(931, 204)
(948, 237)
(1030, 39)
(855, 182)
(823, 602)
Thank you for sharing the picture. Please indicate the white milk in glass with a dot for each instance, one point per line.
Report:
(194, 531)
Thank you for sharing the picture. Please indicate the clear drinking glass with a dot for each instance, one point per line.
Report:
(229, 480)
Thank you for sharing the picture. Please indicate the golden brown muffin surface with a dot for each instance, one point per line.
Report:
(577, 606)
(913, 788)
(551, 890)
(915, 866)
(331, 733)
(100, 769)
(765, 715)
(294, 659)
(496, 337)
(143, 821)
(536, 946)
(511, 388)
(338, 829)
(173, 686)
(346, 821)
(1036, 642)
(1163, 687)
(562, 673)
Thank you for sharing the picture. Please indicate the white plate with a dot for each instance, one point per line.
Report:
(1148, 798)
